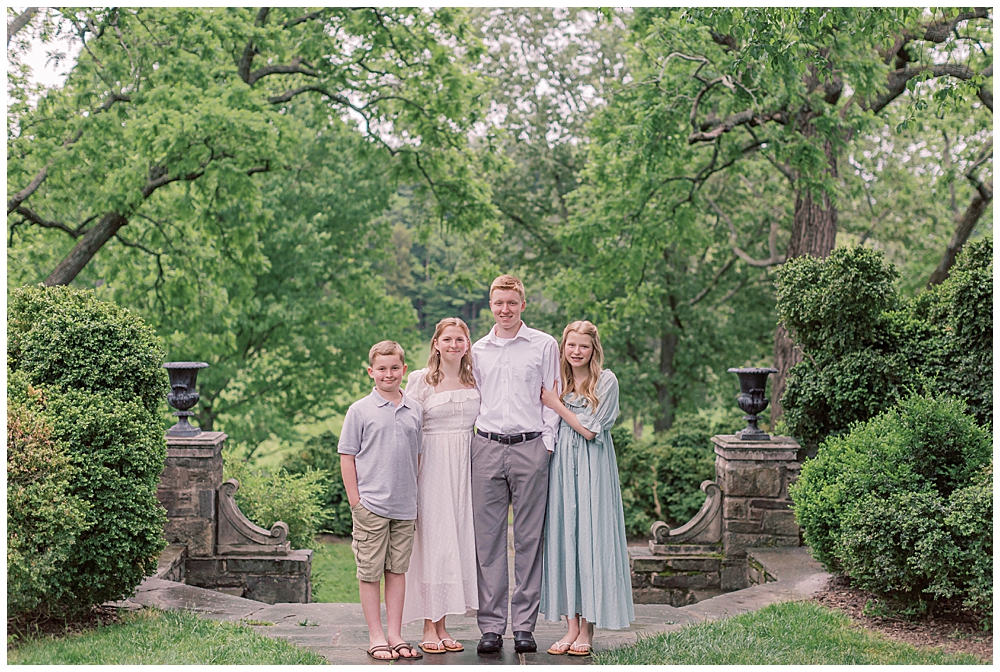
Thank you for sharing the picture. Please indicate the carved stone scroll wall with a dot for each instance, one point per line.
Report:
(238, 535)
(747, 505)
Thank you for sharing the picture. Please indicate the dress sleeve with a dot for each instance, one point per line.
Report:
(417, 388)
(602, 419)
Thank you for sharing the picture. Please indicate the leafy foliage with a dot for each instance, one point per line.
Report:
(901, 503)
(866, 347)
(320, 454)
(44, 518)
(661, 478)
(265, 499)
(100, 369)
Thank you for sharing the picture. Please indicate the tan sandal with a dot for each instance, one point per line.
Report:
(438, 646)
(560, 648)
(456, 646)
(587, 648)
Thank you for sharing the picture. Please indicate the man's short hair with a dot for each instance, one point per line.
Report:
(507, 282)
(386, 348)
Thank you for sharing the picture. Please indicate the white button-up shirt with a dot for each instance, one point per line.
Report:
(509, 376)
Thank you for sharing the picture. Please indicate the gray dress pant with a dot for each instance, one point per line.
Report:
(502, 475)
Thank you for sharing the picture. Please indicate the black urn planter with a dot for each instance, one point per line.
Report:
(183, 395)
(752, 401)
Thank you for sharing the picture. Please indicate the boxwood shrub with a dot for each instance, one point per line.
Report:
(44, 517)
(866, 347)
(903, 505)
(100, 369)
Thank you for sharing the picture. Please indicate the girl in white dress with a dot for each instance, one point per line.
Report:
(442, 575)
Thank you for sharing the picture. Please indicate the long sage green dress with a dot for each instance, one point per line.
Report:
(585, 566)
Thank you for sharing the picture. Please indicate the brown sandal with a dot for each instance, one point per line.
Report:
(406, 645)
(382, 647)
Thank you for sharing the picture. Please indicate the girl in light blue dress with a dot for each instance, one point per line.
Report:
(585, 569)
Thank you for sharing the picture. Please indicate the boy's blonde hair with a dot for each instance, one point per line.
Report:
(386, 348)
(507, 282)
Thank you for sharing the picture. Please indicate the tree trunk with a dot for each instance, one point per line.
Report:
(85, 250)
(966, 225)
(814, 232)
(668, 350)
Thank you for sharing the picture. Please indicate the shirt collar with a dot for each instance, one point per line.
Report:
(382, 401)
(522, 332)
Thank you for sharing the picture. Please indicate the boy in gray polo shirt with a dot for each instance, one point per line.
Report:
(379, 445)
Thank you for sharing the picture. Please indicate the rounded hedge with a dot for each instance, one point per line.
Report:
(100, 367)
(43, 516)
(899, 504)
(866, 347)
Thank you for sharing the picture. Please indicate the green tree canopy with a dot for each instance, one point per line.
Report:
(164, 102)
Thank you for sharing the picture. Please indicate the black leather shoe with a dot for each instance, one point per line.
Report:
(524, 642)
(490, 643)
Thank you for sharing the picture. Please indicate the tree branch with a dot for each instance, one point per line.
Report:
(964, 228)
(967, 223)
(36, 181)
(302, 19)
(713, 284)
(292, 69)
(33, 217)
(15, 26)
(772, 241)
(746, 117)
(249, 51)
(899, 78)
(936, 32)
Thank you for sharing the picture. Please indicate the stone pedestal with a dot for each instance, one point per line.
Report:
(187, 490)
(215, 545)
(754, 477)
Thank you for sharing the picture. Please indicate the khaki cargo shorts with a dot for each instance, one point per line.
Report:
(380, 543)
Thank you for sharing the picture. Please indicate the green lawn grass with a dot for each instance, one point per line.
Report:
(334, 573)
(153, 637)
(793, 633)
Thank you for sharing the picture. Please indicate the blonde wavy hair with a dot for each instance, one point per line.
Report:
(434, 373)
(589, 388)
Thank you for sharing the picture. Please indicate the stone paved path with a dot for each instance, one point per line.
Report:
(338, 633)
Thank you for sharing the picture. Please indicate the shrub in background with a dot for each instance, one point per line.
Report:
(661, 477)
(100, 368)
(44, 518)
(900, 504)
(866, 347)
(265, 499)
(320, 453)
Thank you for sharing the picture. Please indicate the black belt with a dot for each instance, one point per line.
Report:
(509, 438)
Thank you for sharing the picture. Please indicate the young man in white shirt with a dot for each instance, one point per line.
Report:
(515, 434)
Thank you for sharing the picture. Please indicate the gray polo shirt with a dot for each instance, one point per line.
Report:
(385, 440)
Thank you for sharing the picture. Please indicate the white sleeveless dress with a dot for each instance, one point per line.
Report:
(441, 579)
